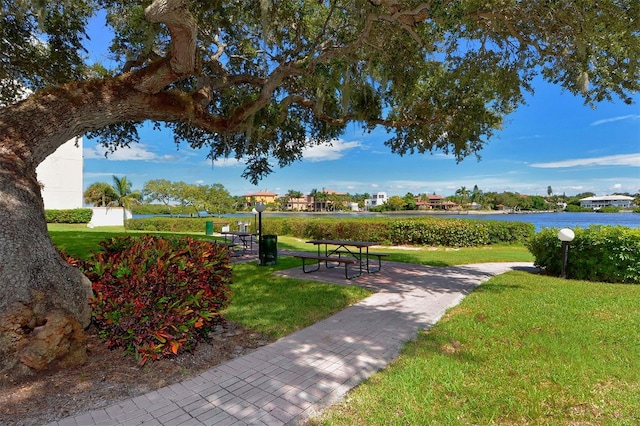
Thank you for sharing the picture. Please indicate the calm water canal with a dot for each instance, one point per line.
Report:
(565, 219)
(540, 220)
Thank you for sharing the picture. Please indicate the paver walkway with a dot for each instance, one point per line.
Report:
(293, 378)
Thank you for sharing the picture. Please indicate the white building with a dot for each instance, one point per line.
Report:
(378, 199)
(596, 203)
(61, 177)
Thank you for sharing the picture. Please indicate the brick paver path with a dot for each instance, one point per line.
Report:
(295, 377)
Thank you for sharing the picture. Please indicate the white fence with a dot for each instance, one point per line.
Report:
(109, 216)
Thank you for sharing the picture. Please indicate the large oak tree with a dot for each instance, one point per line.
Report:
(261, 80)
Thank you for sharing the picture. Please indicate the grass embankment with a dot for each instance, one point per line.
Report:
(276, 305)
(521, 349)
(435, 256)
(261, 300)
(78, 240)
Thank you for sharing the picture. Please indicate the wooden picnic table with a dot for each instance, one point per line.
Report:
(244, 239)
(344, 252)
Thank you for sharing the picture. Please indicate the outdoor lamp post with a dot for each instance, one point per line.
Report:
(565, 235)
(259, 207)
(255, 219)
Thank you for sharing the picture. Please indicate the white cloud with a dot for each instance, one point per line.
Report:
(632, 160)
(227, 162)
(135, 152)
(619, 118)
(335, 151)
(91, 175)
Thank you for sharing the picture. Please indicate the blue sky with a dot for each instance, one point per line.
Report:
(554, 140)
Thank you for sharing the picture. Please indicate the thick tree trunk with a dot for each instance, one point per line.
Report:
(44, 302)
(37, 287)
(35, 283)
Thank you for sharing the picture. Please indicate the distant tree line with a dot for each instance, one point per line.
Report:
(173, 197)
(120, 194)
(179, 198)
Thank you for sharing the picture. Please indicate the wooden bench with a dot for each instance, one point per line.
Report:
(233, 248)
(370, 270)
(326, 260)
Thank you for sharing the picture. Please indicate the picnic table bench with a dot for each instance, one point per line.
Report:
(342, 253)
(326, 259)
(368, 267)
(241, 239)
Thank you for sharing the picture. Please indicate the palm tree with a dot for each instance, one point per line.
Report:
(463, 193)
(477, 196)
(99, 194)
(125, 197)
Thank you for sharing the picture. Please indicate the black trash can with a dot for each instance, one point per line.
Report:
(208, 228)
(268, 250)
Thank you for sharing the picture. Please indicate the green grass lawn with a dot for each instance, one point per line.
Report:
(78, 240)
(279, 306)
(521, 349)
(261, 301)
(435, 256)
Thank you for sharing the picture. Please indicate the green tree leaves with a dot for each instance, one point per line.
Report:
(272, 79)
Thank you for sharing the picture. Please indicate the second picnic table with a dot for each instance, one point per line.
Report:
(344, 252)
(244, 239)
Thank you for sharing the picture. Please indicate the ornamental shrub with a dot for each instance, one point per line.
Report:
(157, 297)
(177, 224)
(608, 209)
(430, 231)
(167, 224)
(598, 253)
(68, 216)
(439, 232)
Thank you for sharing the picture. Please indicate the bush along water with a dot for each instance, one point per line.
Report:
(157, 297)
(411, 231)
(68, 216)
(598, 253)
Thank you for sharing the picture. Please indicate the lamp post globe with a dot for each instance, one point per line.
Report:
(255, 219)
(565, 235)
(260, 207)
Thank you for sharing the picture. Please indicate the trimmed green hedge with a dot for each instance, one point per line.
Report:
(598, 253)
(68, 216)
(404, 231)
(161, 209)
(183, 224)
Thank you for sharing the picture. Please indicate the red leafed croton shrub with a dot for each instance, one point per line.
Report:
(155, 296)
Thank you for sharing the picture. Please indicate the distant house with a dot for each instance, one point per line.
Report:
(597, 203)
(60, 175)
(300, 203)
(260, 197)
(435, 202)
(310, 202)
(378, 199)
(320, 202)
